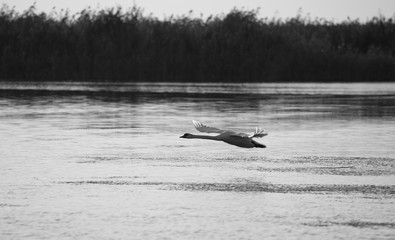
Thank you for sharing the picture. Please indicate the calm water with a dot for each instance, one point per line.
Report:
(102, 161)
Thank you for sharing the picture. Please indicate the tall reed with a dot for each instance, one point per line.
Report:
(118, 45)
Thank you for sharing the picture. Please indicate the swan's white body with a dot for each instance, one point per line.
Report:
(238, 139)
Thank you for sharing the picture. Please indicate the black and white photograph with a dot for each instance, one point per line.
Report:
(197, 120)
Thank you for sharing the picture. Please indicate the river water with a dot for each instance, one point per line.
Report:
(105, 161)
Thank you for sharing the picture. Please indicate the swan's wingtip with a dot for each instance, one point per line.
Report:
(197, 123)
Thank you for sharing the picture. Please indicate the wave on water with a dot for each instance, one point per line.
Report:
(353, 223)
(250, 187)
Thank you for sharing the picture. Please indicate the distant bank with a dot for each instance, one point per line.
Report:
(116, 45)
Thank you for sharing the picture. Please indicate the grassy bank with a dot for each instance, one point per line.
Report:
(126, 45)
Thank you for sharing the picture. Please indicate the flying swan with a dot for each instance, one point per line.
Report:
(238, 139)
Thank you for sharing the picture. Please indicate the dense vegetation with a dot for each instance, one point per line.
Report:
(117, 45)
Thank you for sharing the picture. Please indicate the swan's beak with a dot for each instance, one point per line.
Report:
(182, 137)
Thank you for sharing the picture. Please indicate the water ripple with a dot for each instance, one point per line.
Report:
(251, 187)
(353, 223)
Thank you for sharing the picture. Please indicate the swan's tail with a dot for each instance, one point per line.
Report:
(258, 145)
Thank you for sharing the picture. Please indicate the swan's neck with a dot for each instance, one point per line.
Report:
(203, 137)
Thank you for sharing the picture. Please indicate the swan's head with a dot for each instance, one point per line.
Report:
(186, 135)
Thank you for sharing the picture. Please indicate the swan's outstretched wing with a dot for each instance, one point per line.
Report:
(203, 128)
(258, 133)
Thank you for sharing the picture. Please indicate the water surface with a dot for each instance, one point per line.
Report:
(100, 161)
